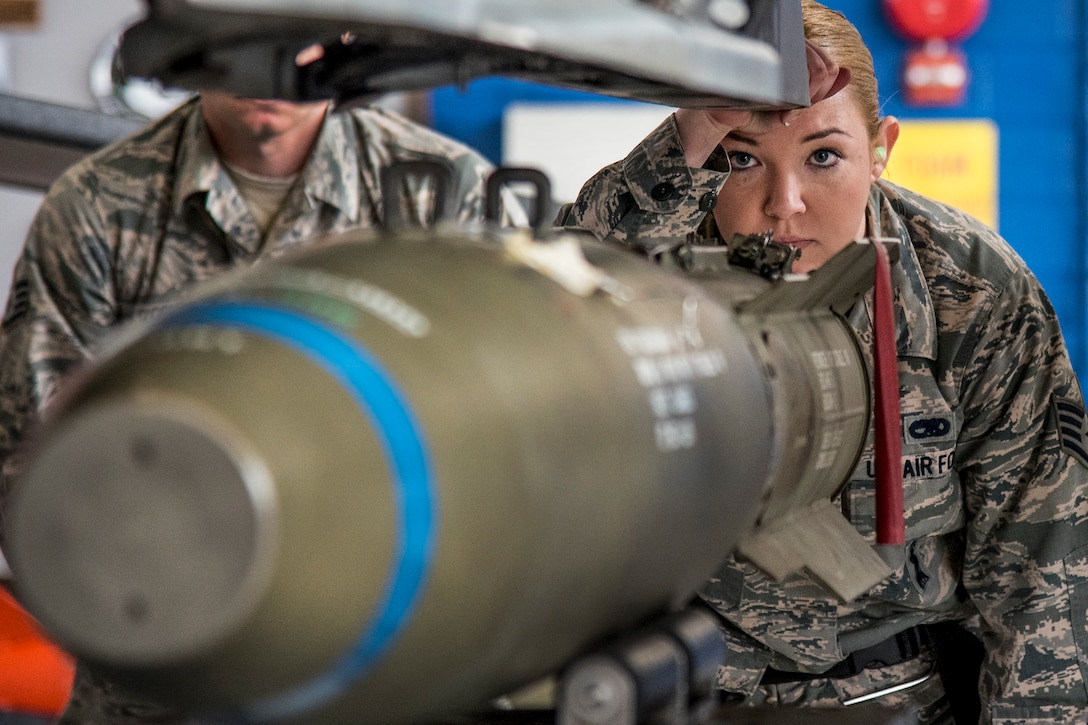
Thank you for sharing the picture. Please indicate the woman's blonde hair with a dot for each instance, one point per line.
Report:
(837, 36)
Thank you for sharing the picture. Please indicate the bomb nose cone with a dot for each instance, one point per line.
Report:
(146, 532)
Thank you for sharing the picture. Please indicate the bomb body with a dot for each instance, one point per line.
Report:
(400, 476)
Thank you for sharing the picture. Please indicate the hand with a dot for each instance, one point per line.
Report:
(825, 78)
(703, 129)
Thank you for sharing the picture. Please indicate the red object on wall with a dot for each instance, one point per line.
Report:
(944, 19)
(35, 675)
(935, 74)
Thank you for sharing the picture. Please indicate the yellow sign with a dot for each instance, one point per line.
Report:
(950, 161)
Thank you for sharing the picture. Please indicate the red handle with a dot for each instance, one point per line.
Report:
(889, 444)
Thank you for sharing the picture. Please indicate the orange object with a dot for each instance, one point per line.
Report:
(35, 674)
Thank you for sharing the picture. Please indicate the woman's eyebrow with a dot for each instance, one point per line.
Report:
(824, 134)
(750, 141)
(734, 136)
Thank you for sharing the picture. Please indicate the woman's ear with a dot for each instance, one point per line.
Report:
(883, 144)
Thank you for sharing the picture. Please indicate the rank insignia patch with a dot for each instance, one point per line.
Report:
(1072, 427)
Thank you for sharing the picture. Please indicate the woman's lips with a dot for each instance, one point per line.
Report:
(795, 242)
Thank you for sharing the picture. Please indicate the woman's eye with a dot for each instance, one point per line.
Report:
(741, 160)
(825, 157)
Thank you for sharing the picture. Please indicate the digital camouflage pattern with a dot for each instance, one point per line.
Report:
(995, 496)
(125, 231)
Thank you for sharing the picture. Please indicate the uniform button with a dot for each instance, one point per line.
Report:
(708, 200)
(662, 191)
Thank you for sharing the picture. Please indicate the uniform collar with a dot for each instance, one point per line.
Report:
(202, 176)
(199, 169)
(915, 317)
(332, 173)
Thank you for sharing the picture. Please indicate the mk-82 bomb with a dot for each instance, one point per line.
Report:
(393, 477)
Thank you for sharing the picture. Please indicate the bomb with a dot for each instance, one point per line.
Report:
(397, 475)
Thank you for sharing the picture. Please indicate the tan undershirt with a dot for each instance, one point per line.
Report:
(263, 195)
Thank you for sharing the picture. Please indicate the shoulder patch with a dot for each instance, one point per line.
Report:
(1072, 427)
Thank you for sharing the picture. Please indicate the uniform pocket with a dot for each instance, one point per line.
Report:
(1076, 574)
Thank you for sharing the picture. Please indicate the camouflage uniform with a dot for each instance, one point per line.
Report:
(124, 231)
(993, 457)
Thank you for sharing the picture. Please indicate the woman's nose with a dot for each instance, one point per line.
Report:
(783, 198)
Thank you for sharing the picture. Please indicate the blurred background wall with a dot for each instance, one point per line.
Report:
(50, 59)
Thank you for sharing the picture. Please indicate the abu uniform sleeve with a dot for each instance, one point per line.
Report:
(1021, 456)
(58, 304)
(651, 194)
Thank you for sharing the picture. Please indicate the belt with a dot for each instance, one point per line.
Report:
(901, 647)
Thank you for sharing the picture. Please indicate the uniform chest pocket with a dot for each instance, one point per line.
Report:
(932, 495)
